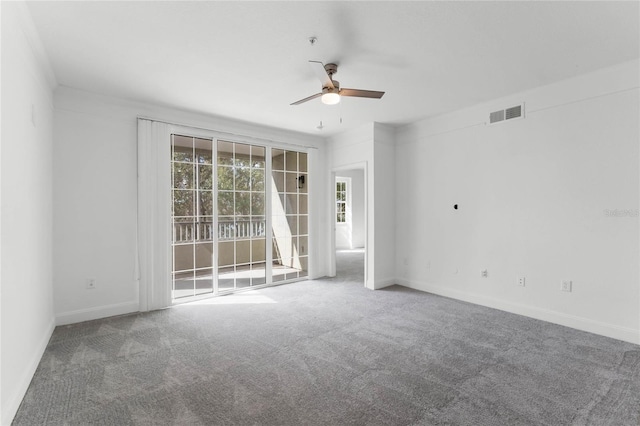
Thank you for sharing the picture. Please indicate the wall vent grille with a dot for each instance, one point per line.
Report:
(506, 114)
(496, 116)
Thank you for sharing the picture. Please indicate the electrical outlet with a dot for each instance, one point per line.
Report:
(484, 273)
(565, 286)
(520, 281)
(91, 283)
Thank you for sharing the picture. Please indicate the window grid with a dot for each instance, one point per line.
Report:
(341, 202)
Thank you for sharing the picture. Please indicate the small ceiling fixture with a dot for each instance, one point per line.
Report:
(330, 96)
(331, 91)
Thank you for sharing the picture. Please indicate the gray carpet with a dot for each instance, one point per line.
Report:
(331, 352)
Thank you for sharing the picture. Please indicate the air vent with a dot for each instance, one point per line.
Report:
(513, 112)
(507, 114)
(496, 116)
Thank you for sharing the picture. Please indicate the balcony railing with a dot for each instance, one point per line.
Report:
(185, 232)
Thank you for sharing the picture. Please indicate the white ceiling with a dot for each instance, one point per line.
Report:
(248, 60)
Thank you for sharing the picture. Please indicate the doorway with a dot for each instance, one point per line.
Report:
(350, 224)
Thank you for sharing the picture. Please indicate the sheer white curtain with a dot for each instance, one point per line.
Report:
(154, 214)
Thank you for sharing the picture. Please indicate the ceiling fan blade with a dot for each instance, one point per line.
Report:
(321, 73)
(357, 93)
(301, 101)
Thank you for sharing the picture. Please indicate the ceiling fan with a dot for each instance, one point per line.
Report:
(331, 91)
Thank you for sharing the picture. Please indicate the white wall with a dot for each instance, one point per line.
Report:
(385, 208)
(26, 206)
(371, 147)
(346, 151)
(533, 195)
(95, 198)
(353, 236)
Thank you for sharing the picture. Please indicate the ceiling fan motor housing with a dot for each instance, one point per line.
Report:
(335, 89)
(331, 69)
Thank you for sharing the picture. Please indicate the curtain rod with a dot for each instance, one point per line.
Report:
(141, 117)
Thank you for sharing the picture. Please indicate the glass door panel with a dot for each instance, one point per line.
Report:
(192, 216)
(241, 216)
(289, 214)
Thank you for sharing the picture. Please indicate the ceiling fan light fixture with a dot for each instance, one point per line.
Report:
(330, 98)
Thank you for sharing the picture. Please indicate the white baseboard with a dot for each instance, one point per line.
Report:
(585, 324)
(97, 312)
(378, 284)
(10, 408)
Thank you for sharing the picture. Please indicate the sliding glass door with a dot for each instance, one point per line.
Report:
(223, 220)
(241, 216)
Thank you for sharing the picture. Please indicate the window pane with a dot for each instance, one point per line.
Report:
(203, 151)
(304, 266)
(257, 204)
(258, 227)
(303, 225)
(278, 180)
(183, 229)
(257, 180)
(243, 153)
(183, 175)
(182, 203)
(183, 284)
(302, 204)
(243, 251)
(278, 207)
(204, 255)
(243, 178)
(243, 204)
(226, 253)
(243, 226)
(303, 246)
(302, 161)
(258, 250)
(205, 228)
(226, 228)
(291, 161)
(258, 273)
(204, 281)
(225, 153)
(292, 203)
(205, 205)
(225, 203)
(205, 177)
(182, 148)
(277, 159)
(257, 157)
(225, 278)
(293, 224)
(225, 178)
(183, 257)
(292, 182)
